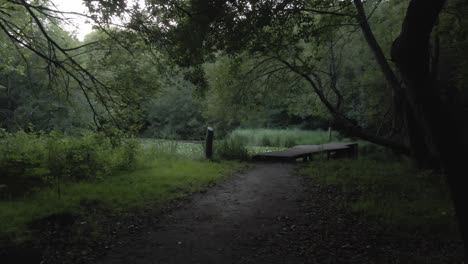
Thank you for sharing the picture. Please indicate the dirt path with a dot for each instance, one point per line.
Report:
(271, 215)
(238, 221)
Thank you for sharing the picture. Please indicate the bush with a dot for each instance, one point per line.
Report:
(232, 148)
(32, 159)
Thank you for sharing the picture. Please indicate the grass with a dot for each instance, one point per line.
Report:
(284, 138)
(162, 175)
(392, 193)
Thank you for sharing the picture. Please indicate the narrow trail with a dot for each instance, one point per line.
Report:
(271, 215)
(238, 221)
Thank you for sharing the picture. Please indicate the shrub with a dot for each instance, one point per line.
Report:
(32, 159)
(130, 150)
(22, 154)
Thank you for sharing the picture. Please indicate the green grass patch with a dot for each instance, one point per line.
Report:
(391, 192)
(154, 184)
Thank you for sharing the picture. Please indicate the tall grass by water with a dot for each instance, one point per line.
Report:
(283, 137)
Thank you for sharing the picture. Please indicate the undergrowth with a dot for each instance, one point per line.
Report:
(153, 185)
(29, 160)
(390, 192)
(72, 173)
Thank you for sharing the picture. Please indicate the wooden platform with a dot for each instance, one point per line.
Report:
(306, 152)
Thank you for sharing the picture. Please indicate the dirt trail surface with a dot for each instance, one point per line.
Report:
(231, 223)
(272, 215)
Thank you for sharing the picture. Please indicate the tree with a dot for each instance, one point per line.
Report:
(35, 26)
(30, 100)
(439, 120)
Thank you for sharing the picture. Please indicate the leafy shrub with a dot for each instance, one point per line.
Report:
(232, 148)
(22, 154)
(130, 150)
(40, 158)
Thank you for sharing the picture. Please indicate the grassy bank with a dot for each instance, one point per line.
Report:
(161, 174)
(392, 193)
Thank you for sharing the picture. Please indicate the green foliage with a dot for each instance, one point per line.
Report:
(391, 192)
(239, 96)
(39, 157)
(129, 73)
(174, 112)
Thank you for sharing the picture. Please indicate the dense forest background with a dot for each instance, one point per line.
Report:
(152, 94)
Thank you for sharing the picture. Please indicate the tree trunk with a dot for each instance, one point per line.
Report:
(443, 131)
(421, 153)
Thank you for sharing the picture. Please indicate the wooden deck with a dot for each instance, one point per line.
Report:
(306, 152)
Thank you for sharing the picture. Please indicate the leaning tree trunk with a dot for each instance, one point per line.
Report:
(421, 153)
(442, 130)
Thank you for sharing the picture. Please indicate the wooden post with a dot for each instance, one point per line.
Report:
(209, 142)
(329, 134)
